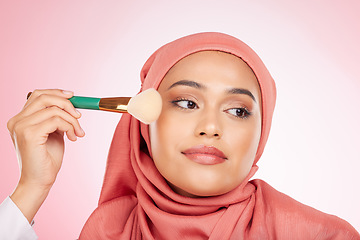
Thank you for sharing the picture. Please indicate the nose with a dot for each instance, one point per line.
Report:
(209, 125)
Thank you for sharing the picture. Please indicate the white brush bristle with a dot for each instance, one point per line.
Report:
(146, 106)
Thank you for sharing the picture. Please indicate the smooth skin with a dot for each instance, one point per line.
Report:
(38, 136)
(206, 102)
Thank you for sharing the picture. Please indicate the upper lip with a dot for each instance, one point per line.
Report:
(202, 149)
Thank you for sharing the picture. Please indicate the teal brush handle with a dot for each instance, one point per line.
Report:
(115, 104)
(85, 102)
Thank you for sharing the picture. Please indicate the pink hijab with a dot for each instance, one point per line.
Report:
(137, 203)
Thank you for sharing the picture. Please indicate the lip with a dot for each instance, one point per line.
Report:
(205, 155)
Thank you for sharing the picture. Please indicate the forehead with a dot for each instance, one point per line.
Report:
(213, 67)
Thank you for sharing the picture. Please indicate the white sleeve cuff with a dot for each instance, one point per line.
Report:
(13, 223)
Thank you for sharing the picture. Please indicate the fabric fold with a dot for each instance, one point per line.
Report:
(137, 203)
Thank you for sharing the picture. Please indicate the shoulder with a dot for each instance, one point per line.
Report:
(285, 212)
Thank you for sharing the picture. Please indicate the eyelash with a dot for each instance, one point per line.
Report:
(244, 112)
(176, 103)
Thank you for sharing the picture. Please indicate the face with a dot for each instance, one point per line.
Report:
(205, 140)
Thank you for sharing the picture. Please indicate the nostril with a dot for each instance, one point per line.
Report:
(216, 134)
(202, 133)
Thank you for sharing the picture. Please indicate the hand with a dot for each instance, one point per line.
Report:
(38, 136)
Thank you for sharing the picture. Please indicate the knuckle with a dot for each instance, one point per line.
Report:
(20, 132)
(10, 124)
(17, 129)
(42, 97)
(53, 110)
(56, 119)
(36, 92)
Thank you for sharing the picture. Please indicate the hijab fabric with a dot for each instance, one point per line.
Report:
(137, 203)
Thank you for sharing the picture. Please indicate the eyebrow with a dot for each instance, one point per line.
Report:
(241, 91)
(187, 83)
(196, 85)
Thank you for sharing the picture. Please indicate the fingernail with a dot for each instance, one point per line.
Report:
(82, 132)
(78, 113)
(68, 92)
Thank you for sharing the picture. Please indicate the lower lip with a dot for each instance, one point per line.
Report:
(205, 159)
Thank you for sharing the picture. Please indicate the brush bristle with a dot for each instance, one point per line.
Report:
(146, 106)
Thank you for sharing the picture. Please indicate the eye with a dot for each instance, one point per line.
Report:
(239, 112)
(186, 104)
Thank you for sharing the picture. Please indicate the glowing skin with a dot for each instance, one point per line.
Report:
(206, 100)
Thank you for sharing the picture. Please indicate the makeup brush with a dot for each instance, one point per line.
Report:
(146, 106)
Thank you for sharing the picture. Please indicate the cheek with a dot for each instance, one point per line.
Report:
(165, 135)
(247, 140)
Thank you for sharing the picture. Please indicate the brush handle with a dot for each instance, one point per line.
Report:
(85, 102)
(116, 104)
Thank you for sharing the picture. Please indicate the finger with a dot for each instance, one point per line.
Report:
(50, 112)
(56, 92)
(55, 124)
(44, 101)
(35, 135)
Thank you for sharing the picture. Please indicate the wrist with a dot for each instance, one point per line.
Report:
(29, 198)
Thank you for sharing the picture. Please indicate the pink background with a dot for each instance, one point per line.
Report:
(96, 48)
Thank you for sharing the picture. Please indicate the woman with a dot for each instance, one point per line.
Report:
(187, 174)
